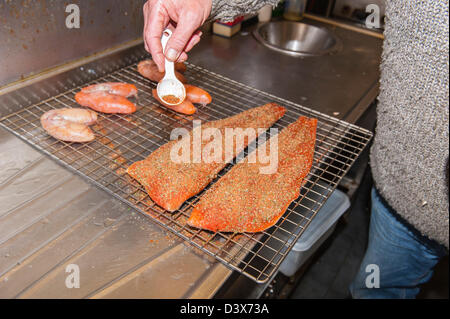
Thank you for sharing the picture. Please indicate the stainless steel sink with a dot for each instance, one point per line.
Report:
(297, 39)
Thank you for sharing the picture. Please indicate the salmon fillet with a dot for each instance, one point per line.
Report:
(244, 200)
(170, 183)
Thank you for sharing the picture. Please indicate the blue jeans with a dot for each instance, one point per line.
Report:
(397, 261)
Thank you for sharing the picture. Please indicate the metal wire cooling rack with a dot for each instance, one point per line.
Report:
(124, 139)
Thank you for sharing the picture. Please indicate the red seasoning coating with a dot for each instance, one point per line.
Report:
(170, 183)
(244, 200)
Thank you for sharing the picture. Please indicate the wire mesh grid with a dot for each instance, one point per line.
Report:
(125, 139)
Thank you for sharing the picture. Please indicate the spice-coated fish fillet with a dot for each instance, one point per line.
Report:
(170, 183)
(244, 200)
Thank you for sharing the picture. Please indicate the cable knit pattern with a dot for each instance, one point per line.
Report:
(410, 151)
(226, 11)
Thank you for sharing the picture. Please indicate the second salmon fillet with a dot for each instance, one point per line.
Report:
(170, 183)
(244, 200)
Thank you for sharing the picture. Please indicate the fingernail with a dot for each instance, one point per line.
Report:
(172, 54)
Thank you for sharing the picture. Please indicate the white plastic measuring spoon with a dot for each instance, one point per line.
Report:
(170, 86)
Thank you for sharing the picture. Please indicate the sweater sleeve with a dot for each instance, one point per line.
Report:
(227, 10)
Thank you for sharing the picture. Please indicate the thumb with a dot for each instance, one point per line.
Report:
(180, 38)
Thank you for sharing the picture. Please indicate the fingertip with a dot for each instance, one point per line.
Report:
(159, 61)
(183, 57)
(192, 42)
(146, 46)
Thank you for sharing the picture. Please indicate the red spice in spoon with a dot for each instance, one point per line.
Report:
(171, 99)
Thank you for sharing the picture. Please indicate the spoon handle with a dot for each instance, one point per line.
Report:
(169, 66)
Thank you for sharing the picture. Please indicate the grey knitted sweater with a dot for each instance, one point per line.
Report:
(410, 151)
(227, 10)
(411, 146)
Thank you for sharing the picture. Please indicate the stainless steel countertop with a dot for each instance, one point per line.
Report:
(50, 217)
(328, 84)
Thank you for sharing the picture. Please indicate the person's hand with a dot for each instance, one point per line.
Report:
(183, 17)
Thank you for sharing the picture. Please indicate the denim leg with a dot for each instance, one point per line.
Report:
(403, 260)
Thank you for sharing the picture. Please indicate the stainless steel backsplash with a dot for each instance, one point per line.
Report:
(34, 35)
